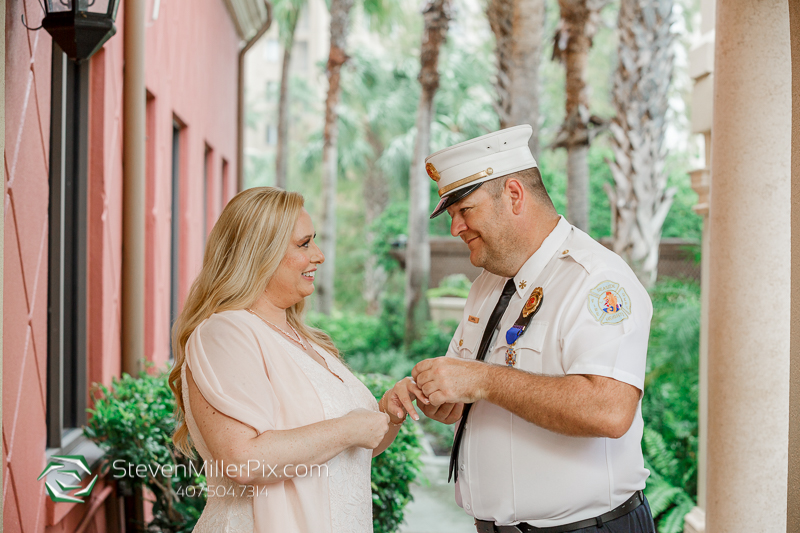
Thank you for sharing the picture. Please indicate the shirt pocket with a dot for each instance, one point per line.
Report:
(529, 347)
(470, 340)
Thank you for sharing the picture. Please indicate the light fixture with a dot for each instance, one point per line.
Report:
(80, 27)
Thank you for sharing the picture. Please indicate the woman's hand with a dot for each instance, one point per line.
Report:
(367, 427)
(398, 400)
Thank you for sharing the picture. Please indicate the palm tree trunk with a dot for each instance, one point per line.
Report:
(640, 199)
(376, 197)
(282, 149)
(578, 25)
(518, 26)
(340, 15)
(418, 252)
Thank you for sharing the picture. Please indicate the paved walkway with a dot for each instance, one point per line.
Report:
(434, 509)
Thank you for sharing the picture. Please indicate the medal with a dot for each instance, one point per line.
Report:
(511, 356)
(513, 334)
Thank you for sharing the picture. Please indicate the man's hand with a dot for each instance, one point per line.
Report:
(447, 413)
(451, 380)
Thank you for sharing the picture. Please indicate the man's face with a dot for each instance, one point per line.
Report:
(480, 221)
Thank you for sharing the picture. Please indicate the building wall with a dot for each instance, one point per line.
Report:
(192, 48)
(25, 158)
(191, 74)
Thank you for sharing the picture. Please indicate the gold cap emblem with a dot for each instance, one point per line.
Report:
(432, 172)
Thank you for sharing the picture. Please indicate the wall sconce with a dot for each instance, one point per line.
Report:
(79, 27)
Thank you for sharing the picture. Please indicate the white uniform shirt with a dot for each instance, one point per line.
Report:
(594, 319)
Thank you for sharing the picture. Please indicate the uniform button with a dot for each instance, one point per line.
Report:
(461, 342)
(467, 507)
(565, 252)
(463, 468)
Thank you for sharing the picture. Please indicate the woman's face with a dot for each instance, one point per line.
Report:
(294, 279)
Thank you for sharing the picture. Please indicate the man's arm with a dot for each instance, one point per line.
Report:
(575, 405)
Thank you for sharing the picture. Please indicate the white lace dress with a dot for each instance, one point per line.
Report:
(229, 509)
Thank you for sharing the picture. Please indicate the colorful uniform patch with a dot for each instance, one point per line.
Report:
(609, 303)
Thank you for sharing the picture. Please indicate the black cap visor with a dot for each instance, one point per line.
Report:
(454, 197)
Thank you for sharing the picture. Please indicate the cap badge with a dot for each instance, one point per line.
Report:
(432, 172)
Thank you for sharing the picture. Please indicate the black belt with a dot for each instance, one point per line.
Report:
(486, 526)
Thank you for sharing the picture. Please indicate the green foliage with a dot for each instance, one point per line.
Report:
(670, 402)
(668, 503)
(456, 285)
(395, 469)
(374, 344)
(132, 421)
(392, 223)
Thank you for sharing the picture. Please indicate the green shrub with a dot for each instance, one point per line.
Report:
(394, 470)
(132, 421)
(455, 285)
(374, 344)
(670, 402)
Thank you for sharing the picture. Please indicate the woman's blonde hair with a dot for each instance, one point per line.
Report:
(243, 252)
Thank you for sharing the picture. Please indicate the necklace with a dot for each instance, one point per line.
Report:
(298, 340)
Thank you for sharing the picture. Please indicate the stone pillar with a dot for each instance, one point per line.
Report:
(701, 69)
(695, 521)
(793, 511)
(749, 300)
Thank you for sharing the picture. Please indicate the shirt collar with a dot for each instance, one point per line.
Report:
(536, 263)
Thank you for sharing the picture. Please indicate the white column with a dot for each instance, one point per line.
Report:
(793, 511)
(750, 262)
(701, 69)
(695, 521)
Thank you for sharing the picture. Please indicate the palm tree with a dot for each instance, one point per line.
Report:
(287, 13)
(436, 14)
(517, 26)
(640, 199)
(573, 40)
(340, 18)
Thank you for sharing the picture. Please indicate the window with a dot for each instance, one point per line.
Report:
(68, 236)
(209, 192)
(272, 90)
(226, 186)
(272, 51)
(302, 22)
(272, 134)
(177, 140)
(300, 59)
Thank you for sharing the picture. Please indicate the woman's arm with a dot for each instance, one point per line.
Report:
(252, 459)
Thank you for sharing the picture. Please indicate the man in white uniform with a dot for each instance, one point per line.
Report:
(550, 414)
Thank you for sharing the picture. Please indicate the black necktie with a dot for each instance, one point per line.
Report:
(497, 313)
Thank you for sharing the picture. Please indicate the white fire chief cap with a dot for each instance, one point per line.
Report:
(462, 168)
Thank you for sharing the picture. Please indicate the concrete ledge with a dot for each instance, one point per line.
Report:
(695, 521)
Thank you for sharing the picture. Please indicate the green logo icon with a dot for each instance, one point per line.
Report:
(67, 465)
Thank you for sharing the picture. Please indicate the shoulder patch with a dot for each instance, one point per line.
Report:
(609, 304)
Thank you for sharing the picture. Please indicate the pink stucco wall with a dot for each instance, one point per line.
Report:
(27, 127)
(191, 75)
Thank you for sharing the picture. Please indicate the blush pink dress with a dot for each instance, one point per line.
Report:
(252, 373)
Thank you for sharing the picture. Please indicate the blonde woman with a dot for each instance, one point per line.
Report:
(285, 430)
